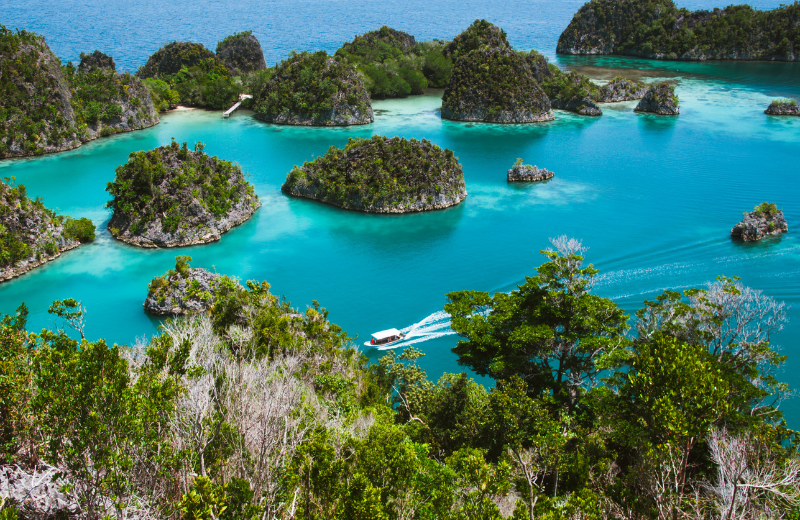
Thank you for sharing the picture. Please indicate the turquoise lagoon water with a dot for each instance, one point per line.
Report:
(654, 198)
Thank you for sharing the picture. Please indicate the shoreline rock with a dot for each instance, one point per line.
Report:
(783, 108)
(183, 290)
(527, 173)
(192, 198)
(584, 107)
(621, 89)
(764, 220)
(381, 175)
(660, 99)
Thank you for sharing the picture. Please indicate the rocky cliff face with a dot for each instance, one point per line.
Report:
(314, 90)
(172, 197)
(659, 30)
(382, 175)
(32, 235)
(182, 291)
(494, 85)
(783, 108)
(660, 99)
(47, 108)
(528, 173)
(621, 89)
(241, 53)
(764, 221)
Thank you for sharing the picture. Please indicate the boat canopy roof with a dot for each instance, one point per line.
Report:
(384, 334)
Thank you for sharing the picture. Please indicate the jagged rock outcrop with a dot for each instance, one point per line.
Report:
(527, 173)
(765, 220)
(660, 99)
(783, 107)
(663, 31)
(314, 90)
(381, 175)
(32, 235)
(172, 196)
(241, 53)
(183, 290)
(541, 68)
(47, 108)
(621, 89)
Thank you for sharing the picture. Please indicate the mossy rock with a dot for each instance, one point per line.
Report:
(765, 220)
(660, 99)
(480, 35)
(32, 234)
(241, 53)
(173, 196)
(621, 89)
(573, 92)
(494, 85)
(381, 175)
(660, 30)
(314, 89)
(783, 107)
(185, 290)
(170, 58)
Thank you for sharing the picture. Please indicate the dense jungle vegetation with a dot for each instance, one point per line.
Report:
(172, 184)
(29, 230)
(657, 28)
(378, 172)
(310, 85)
(241, 53)
(256, 410)
(189, 74)
(394, 65)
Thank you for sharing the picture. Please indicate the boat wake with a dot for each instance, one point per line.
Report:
(434, 326)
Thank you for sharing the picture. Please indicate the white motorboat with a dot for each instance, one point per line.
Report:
(384, 338)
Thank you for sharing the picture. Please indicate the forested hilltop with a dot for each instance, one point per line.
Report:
(256, 410)
(46, 106)
(659, 29)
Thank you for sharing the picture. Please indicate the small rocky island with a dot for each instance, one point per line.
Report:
(490, 81)
(173, 196)
(765, 220)
(660, 99)
(381, 175)
(664, 31)
(31, 234)
(527, 173)
(241, 53)
(49, 107)
(783, 107)
(184, 290)
(621, 89)
(313, 89)
(571, 91)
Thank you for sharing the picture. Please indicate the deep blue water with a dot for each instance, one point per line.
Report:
(654, 198)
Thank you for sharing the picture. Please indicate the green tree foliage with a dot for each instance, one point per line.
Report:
(394, 64)
(310, 85)
(193, 75)
(376, 173)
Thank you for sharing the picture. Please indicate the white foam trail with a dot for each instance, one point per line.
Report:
(427, 329)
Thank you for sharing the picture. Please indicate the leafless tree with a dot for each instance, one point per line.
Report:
(752, 481)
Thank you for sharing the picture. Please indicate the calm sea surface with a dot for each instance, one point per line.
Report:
(654, 198)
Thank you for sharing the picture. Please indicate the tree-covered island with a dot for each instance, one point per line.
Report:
(660, 99)
(253, 410)
(658, 29)
(490, 81)
(313, 89)
(381, 175)
(46, 106)
(173, 196)
(32, 234)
